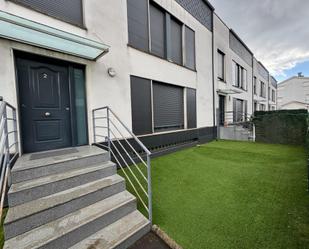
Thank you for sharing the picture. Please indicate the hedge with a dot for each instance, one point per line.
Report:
(281, 127)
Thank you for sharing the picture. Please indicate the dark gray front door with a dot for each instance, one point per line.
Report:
(44, 105)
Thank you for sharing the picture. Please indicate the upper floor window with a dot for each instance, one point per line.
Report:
(273, 95)
(221, 57)
(254, 85)
(263, 90)
(70, 11)
(240, 76)
(157, 31)
(189, 48)
(160, 34)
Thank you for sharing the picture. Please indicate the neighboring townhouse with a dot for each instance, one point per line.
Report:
(233, 74)
(293, 93)
(264, 88)
(242, 84)
(260, 86)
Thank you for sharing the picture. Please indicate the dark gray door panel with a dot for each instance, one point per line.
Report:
(44, 105)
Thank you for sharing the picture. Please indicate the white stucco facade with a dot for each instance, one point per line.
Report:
(225, 87)
(293, 93)
(106, 21)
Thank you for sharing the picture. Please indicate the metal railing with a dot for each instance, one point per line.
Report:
(232, 118)
(126, 150)
(240, 121)
(9, 151)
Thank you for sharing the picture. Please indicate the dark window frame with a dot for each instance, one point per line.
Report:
(143, 32)
(220, 53)
(167, 29)
(28, 6)
(185, 110)
(238, 72)
(181, 25)
(185, 28)
(255, 85)
(165, 128)
(262, 89)
(153, 5)
(240, 116)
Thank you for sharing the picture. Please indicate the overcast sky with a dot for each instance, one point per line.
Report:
(277, 31)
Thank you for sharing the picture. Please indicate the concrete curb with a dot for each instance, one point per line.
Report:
(169, 241)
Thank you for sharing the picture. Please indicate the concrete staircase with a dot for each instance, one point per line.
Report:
(70, 198)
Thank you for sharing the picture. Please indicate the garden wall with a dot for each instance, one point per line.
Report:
(281, 127)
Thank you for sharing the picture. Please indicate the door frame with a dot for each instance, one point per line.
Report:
(70, 66)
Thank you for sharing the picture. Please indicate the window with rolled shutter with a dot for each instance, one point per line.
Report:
(176, 41)
(157, 30)
(190, 48)
(70, 11)
(138, 24)
(168, 108)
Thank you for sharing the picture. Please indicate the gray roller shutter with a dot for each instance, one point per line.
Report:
(141, 105)
(138, 24)
(176, 41)
(191, 108)
(67, 10)
(190, 48)
(157, 29)
(167, 107)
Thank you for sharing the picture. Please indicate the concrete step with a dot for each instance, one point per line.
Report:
(31, 166)
(119, 235)
(23, 218)
(30, 190)
(77, 226)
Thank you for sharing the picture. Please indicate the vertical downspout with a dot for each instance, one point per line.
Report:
(252, 85)
(213, 72)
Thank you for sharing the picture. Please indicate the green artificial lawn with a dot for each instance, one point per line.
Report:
(229, 194)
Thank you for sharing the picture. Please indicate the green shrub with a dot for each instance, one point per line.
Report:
(282, 127)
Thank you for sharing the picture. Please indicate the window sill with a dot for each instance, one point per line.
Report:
(147, 52)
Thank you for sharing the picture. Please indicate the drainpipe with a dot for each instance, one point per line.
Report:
(213, 72)
(252, 85)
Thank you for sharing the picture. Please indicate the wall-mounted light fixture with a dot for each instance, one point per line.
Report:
(111, 72)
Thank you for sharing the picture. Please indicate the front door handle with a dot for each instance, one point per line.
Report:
(47, 114)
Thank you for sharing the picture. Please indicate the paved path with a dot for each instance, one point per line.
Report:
(150, 241)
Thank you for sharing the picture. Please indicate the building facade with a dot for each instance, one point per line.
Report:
(164, 66)
(242, 84)
(293, 93)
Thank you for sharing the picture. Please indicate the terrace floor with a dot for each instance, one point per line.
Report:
(229, 194)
